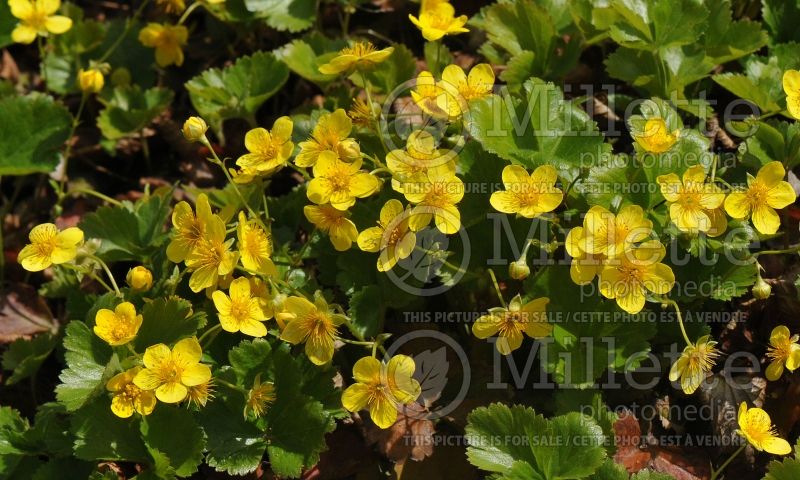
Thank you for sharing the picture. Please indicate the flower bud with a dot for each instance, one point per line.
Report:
(349, 151)
(762, 289)
(519, 270)
(139, 278)
(91, 81)
(194, 129)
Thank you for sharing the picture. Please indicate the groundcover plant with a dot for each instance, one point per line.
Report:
(322, 239)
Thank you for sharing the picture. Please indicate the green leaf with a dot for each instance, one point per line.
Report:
(234, 445)
(304, 56)
(132, 231)
(539, 37)
(570, 447)
(501, 437)
(7, 24)
(25, 356)
(782, 18)
(251, 358)
(297, 427)
(101, 435)
(285, 15)
(773, 140)
(749, 89)
(130, 109)
(238, 90)
(41, 126)
(174, 432)
(610, 471)
(596, 336)
(367, 310)
(50, 431)
(12, 427)
(787, 469)
(87, 358)
(727, 40)
(652, 24)
(167, 320)
(537, 127)
(485, 432)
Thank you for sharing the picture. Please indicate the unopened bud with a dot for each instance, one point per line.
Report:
(762, 289)
(140, 278)
(519, 270)
(194, 129)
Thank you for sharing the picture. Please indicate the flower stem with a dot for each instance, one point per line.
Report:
(208, 333)
(680, 321)
(128, 25)
(188, 12)
(216, 160)
(497, 288)
(715, 473)
(108, 273)
(792, 249)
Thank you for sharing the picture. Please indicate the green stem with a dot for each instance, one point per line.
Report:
(91, 275)
(299, 257)
(97, 194)
(128, 25)
(680, 321)
(497, 288)
(216, 160)
(68, 151)
(108, 273)
(219, 381)
(372, 112)
(365, 343)
(792, 249)
(188, 12)
(715, 473)
(208, 333)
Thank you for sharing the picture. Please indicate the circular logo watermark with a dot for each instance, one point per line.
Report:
(432, 368)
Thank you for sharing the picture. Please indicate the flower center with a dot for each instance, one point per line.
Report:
(360, 49)
(757, 194)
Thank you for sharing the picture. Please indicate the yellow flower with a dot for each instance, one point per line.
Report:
(311, 323)
(784, 351)
(241, 312)
(765, 193)
(259, 397)
(791, 85)
(361, 56)
(127, 397)
(656, 138)
(691, 201)
(439, 100)
(255, 247)
(478, 84)
(340, 229)
(610, 235)
(585, 266)
(528, 195)
(340, 183)
(269, 150)
(694, 364)
(439, 20)
(510, 323)
(381, 388)
(171, 372)
(118, 327)
(90, 81)
(630, 276)
(168, 40)
(361, 113)
(419, 156)
(194, 129)
(435, 194)
(392, 237)
(330, 134)
(189, 229)
(49, 246)
(200, 394)
(36, 18)
(139, 278)
(756, 426)
(172, 6)
(211, 257)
